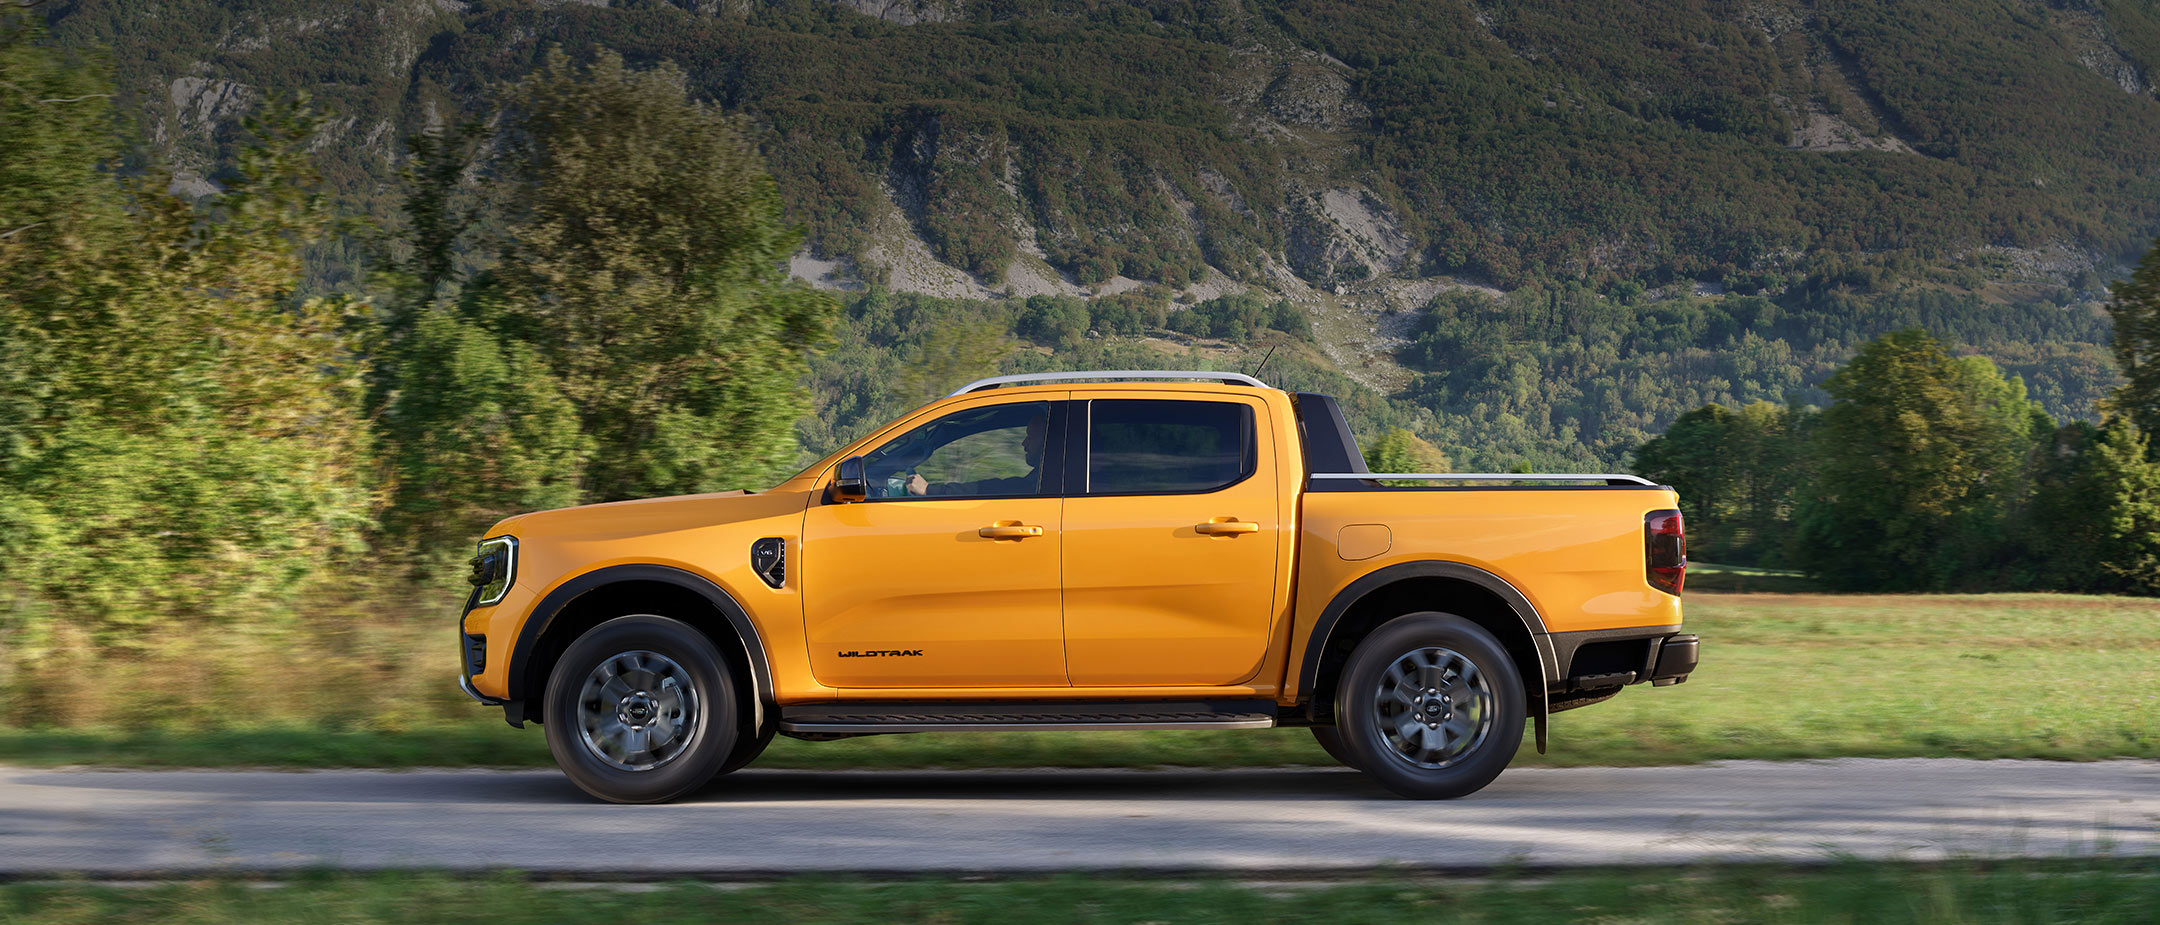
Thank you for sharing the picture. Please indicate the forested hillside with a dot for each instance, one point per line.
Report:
(1535, 231)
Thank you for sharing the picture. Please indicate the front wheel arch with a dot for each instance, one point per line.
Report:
(577, 606)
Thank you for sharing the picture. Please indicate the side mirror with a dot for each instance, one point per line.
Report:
(849, 485)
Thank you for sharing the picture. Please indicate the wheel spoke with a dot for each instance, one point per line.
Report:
(637, 710)
(1402, 710)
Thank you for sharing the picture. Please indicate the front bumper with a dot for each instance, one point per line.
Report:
(464, 683)
(472, 651)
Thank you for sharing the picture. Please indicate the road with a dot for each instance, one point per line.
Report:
(1246, 822)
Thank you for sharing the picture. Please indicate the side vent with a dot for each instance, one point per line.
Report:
(768, 558)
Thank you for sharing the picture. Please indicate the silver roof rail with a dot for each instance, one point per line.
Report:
(1118, 374)
(1490, 477)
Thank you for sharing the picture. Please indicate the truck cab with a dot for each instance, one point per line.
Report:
(1093, 550)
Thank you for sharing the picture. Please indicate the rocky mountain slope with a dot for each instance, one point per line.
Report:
(1363, 159)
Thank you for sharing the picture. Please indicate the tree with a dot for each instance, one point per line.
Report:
(2135, 307)
(476, 425)
(1915, 466)
(643, 261)
(180, 437)
(2094, 524)
(1399, 450)
(1736, 472)
(634, 332)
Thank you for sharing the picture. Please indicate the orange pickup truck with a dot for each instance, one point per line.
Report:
(1101, 550)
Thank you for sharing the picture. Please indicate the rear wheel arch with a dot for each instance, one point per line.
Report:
(1464, 590)
(584, 602)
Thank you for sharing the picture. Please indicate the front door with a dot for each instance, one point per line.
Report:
(947, 575)
(1171, 534)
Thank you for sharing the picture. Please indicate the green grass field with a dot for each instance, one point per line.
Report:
(1870, 893)
(1782, 676)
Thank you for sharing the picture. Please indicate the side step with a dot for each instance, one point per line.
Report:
(874, 716)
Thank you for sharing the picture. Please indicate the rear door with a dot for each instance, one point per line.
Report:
(1171, 537)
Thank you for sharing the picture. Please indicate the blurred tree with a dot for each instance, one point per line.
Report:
(180, 438)
(2135, 308)
(1916, 463)
(631, 330)
(644, 262)
(1399, 450)
(477, 426)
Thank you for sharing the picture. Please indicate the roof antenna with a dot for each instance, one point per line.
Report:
(1263, 360)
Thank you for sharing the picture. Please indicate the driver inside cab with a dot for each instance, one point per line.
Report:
(977, 452)
(1031, 447)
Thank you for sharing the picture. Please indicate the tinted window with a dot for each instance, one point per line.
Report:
(996, 450)
(1168, 447)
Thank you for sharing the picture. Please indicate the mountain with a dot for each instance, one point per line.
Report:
(1488, 209)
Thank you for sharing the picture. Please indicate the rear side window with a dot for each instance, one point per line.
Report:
(1168, 447)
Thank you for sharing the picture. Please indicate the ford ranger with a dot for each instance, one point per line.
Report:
(1098, 550)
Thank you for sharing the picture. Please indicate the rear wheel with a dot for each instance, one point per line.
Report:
(1431, 706)
(641, 709)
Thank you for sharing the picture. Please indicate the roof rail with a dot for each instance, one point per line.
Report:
(1607, 478)
(1118, 374)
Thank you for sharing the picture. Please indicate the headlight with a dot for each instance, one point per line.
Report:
(493, 569)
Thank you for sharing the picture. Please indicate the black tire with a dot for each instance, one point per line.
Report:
(1469, 711)
(1330, 739)
(748, 748)
(693, 680)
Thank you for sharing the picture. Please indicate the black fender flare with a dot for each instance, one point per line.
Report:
(1540, 638)
(544, 613)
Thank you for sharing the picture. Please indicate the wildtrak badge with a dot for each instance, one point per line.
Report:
(875, 653)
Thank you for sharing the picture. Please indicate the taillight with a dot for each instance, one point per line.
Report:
(1664, 550)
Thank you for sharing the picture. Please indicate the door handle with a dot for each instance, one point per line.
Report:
(1226, 528)
(1009, 531)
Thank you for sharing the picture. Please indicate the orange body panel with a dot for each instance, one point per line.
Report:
(1120, 596)
(1151, 600)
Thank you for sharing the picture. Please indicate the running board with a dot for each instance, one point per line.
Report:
(872, 717)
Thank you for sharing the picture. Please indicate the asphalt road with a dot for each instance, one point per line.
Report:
(761, 823)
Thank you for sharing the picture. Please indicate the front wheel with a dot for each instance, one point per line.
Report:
(1431, 706)
(1330, 739)
(641, 709)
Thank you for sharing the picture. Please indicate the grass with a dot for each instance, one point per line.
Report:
(1783, 676)
(1853, 892)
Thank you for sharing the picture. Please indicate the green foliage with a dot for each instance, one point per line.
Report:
(1554, 137)
(1562, 376)
(180, 437)
(1736, 472)
(633, 332)
(1917, 462)
(1399, 450)
(1058, 322)
(1240, 317)
(477, 430)
(896, 351)
(643, 262)
(2094, 521)
(2135, 308)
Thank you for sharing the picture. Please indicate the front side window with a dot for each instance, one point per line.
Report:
(980, 452)
(1168, 447)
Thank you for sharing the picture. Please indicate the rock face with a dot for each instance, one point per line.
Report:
(907, 12)
(988, 147)
(1345, 235)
